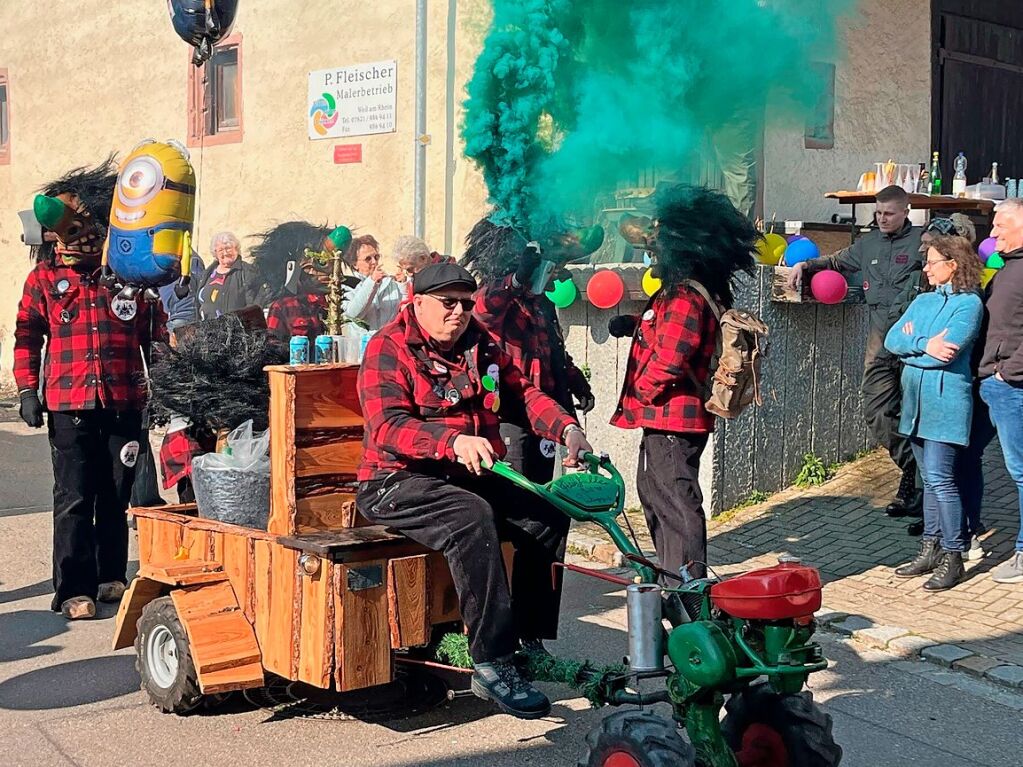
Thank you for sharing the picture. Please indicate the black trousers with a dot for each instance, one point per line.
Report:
(94, 453)
(466, 518)
(526, 454)
(882, 402)
(668, 483)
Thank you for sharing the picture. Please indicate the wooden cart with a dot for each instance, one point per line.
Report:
(320, 596)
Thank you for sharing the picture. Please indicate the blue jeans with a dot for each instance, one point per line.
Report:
(1005, 403)
(971, 467)
(943, 508)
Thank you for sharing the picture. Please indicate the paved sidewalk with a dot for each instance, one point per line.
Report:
(841, 528)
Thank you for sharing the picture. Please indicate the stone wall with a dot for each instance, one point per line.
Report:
(811, 393)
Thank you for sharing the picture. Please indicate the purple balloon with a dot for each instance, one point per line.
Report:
(794, 237)
(986, 248)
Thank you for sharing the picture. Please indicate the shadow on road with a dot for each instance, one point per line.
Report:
(22, 632)
(26, 592)
(70, 684)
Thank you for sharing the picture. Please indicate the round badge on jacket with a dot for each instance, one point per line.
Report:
(124, 309)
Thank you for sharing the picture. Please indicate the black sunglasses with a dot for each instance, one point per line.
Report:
(450, 303)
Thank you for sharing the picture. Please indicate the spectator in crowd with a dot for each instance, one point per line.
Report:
(181, 311)
(1001, 365)
(376, 300)
(982, 431)
(934, 340)
(889, 260)
(229, 283)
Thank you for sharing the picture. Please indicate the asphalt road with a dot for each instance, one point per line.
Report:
(65, 699)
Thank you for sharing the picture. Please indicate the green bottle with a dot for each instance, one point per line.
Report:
(935, 175)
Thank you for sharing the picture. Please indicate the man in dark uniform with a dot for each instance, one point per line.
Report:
(890, 262)
(433, 385)
(95, 388)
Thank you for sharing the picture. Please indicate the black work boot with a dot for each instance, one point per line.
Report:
(501, 682)
(908, 501)
(925, 562)
(950, 571)
(535, 647)
(915, 528)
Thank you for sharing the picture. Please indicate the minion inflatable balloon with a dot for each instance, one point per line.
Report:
(151, 218)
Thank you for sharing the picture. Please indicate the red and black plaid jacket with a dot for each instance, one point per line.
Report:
(302, 315)
(416, 400)
(528, 329)
(675, 340)
(93, 357)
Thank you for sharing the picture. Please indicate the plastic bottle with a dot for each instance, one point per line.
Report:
(959, 179)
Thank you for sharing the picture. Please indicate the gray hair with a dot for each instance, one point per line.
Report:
(1014, 204)
(409, 248)
(227, 237)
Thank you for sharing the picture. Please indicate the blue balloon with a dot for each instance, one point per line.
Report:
(799, 251)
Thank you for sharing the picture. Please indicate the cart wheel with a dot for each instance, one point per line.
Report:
(637, 739)
(767, 729)
(163, 659)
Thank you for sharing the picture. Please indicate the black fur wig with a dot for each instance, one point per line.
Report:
(281, 244)
(492, 251)
(94, 187)
(701, 236)
(215, 377)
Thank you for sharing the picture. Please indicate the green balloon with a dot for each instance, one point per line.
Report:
(341, 236)
(563, 294)
(995, 261)
(488, 383)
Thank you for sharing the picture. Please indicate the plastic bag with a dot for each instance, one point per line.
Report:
(234, 486)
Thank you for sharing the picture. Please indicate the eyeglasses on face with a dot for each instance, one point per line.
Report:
(932, 262)
(450, 303)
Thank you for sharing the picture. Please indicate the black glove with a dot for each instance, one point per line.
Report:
(621, 326)
(528, 261)
(31, 409)
(585, 402)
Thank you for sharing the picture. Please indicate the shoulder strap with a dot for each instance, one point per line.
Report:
(714, 307)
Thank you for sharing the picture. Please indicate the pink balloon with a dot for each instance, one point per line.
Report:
(605, 289)
(829, 287)
(986, 248)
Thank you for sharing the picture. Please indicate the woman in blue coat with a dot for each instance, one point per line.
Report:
(934, 340)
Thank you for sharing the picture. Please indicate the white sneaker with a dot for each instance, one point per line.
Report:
(1010, 571)
(976, 552)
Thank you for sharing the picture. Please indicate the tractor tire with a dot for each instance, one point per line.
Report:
(767, 729)
(164, 660)
(637, 739)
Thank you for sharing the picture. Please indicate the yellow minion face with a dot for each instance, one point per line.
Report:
(151, 216)
(156, 183)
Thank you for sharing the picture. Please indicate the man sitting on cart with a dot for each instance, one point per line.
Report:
(432, 386)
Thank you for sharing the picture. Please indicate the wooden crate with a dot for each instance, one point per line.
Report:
(315, 447)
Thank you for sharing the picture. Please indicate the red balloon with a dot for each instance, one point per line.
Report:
(829, 287)
(605, 289)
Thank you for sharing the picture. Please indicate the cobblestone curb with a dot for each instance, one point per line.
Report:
(591, 545)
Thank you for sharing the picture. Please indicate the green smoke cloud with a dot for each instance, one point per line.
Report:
(569, 98)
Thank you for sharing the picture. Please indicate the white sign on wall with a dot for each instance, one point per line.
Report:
(358, 100)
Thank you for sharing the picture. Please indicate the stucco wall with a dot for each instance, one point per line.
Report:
(882, 111)
(810, 387)
(99, 83)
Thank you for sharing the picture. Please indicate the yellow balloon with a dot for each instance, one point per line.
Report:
(986, 275)
(771, 248)
(651, 284)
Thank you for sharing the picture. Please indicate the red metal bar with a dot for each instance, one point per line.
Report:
(586, 571)
(431, 664)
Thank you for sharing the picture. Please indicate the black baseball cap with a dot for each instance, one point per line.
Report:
(439, 276)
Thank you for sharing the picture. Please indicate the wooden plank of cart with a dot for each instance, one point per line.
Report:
(320, 596)
(938, 202)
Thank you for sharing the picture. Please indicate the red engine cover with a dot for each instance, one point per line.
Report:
(784, 591)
